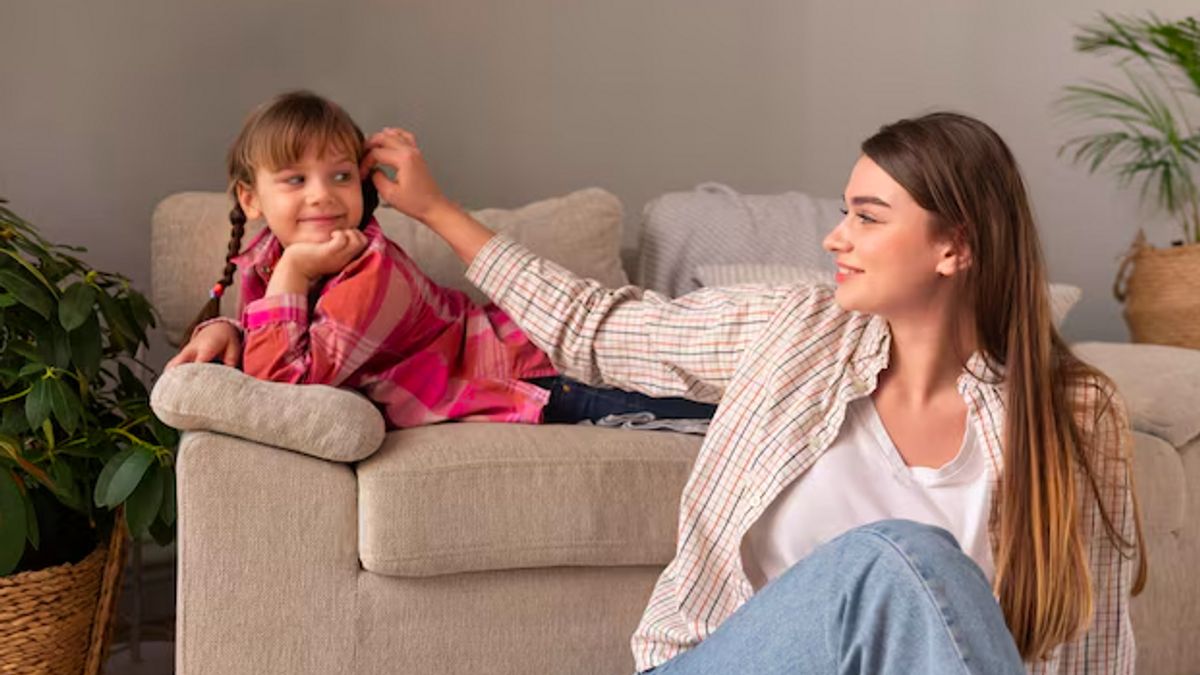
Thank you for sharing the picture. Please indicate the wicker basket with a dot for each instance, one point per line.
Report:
(1161, 291)
(58, 620)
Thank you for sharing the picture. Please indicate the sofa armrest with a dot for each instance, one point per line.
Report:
(325, 422)
(1160, 385)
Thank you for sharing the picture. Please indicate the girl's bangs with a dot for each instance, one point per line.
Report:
(285, 143)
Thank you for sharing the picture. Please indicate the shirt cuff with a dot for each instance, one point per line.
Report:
(497, 266)
(282, 308)
(220, 319)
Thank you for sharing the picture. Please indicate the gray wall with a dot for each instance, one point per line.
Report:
(110, 106)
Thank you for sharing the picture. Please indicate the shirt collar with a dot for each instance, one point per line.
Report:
(874, 353)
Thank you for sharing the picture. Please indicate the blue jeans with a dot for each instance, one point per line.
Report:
(572, 401)
(889, 597)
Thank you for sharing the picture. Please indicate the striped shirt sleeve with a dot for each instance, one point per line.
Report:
(627, 337)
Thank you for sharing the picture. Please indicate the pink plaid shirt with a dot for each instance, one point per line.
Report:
(421, 352)
(784, 361)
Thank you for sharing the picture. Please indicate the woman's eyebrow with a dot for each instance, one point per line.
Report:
(869, 200)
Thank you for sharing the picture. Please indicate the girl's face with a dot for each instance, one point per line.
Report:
(307, 201)
(889, 260)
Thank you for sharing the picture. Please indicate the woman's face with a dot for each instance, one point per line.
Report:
(889, 261)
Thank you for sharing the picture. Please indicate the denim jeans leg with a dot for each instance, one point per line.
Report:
(572, 401)
(889, 597)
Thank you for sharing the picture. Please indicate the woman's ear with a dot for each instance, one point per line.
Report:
(955, 254)
(248, 199)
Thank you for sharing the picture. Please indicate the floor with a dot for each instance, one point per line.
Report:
(145, 646)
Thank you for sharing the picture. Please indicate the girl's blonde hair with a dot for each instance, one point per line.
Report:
(961, 171)
(277, 134)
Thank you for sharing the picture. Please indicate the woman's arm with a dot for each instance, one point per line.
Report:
(626, 337)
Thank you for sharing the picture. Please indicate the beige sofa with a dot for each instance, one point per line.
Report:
(312, 542)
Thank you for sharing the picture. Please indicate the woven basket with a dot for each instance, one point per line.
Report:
(1161, 291)
(58, 620)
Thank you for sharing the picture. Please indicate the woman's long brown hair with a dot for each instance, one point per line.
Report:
(276, 134)
(1059, 411)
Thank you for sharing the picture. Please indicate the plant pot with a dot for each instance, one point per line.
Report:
(58, 620)
(1158, 287)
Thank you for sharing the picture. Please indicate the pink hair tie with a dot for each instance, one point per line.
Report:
(217, 291)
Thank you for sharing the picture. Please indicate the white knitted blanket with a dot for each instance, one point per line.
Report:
(714, 224)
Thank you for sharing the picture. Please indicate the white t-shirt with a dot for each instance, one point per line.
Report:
(860, 479)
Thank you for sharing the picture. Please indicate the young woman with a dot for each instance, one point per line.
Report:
(909, 472)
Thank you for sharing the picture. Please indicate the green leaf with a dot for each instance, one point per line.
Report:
(131, 385)
(32, 369)
(143, 504)
(60, 347)
(66, 406)
(66, 487)
(163, 533)
(13, 421)
(142, 310)
(13, 523)
(121, 332)
(121, 476)
(38, 405)
(32, 534)
(86, 348)
(27, 292)
(76, 305)
(165, 435)
(106, 475)
(7, 300)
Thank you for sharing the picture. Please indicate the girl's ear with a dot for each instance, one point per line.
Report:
(955, 254)
(248, 199)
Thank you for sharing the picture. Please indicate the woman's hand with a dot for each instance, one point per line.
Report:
(413, 191)
(216, 339)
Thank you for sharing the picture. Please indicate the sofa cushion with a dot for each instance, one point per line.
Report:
(1158, 477)
(326, 422)
(581, 231)
(469, 497)
(1160, 384)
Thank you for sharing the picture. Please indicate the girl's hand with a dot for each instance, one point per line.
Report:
(216, 339)
(413, 192)
(312, 261)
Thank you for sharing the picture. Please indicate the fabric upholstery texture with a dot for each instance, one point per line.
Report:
(1161, 385)
(472, 497)
(326, 422)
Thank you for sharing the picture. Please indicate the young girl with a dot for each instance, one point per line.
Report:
(909, 472)
(326, 298)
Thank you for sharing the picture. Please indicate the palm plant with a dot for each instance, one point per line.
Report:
(1146, 133)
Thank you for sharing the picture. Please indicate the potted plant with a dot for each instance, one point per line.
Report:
(1145, 133)
(82, 457)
